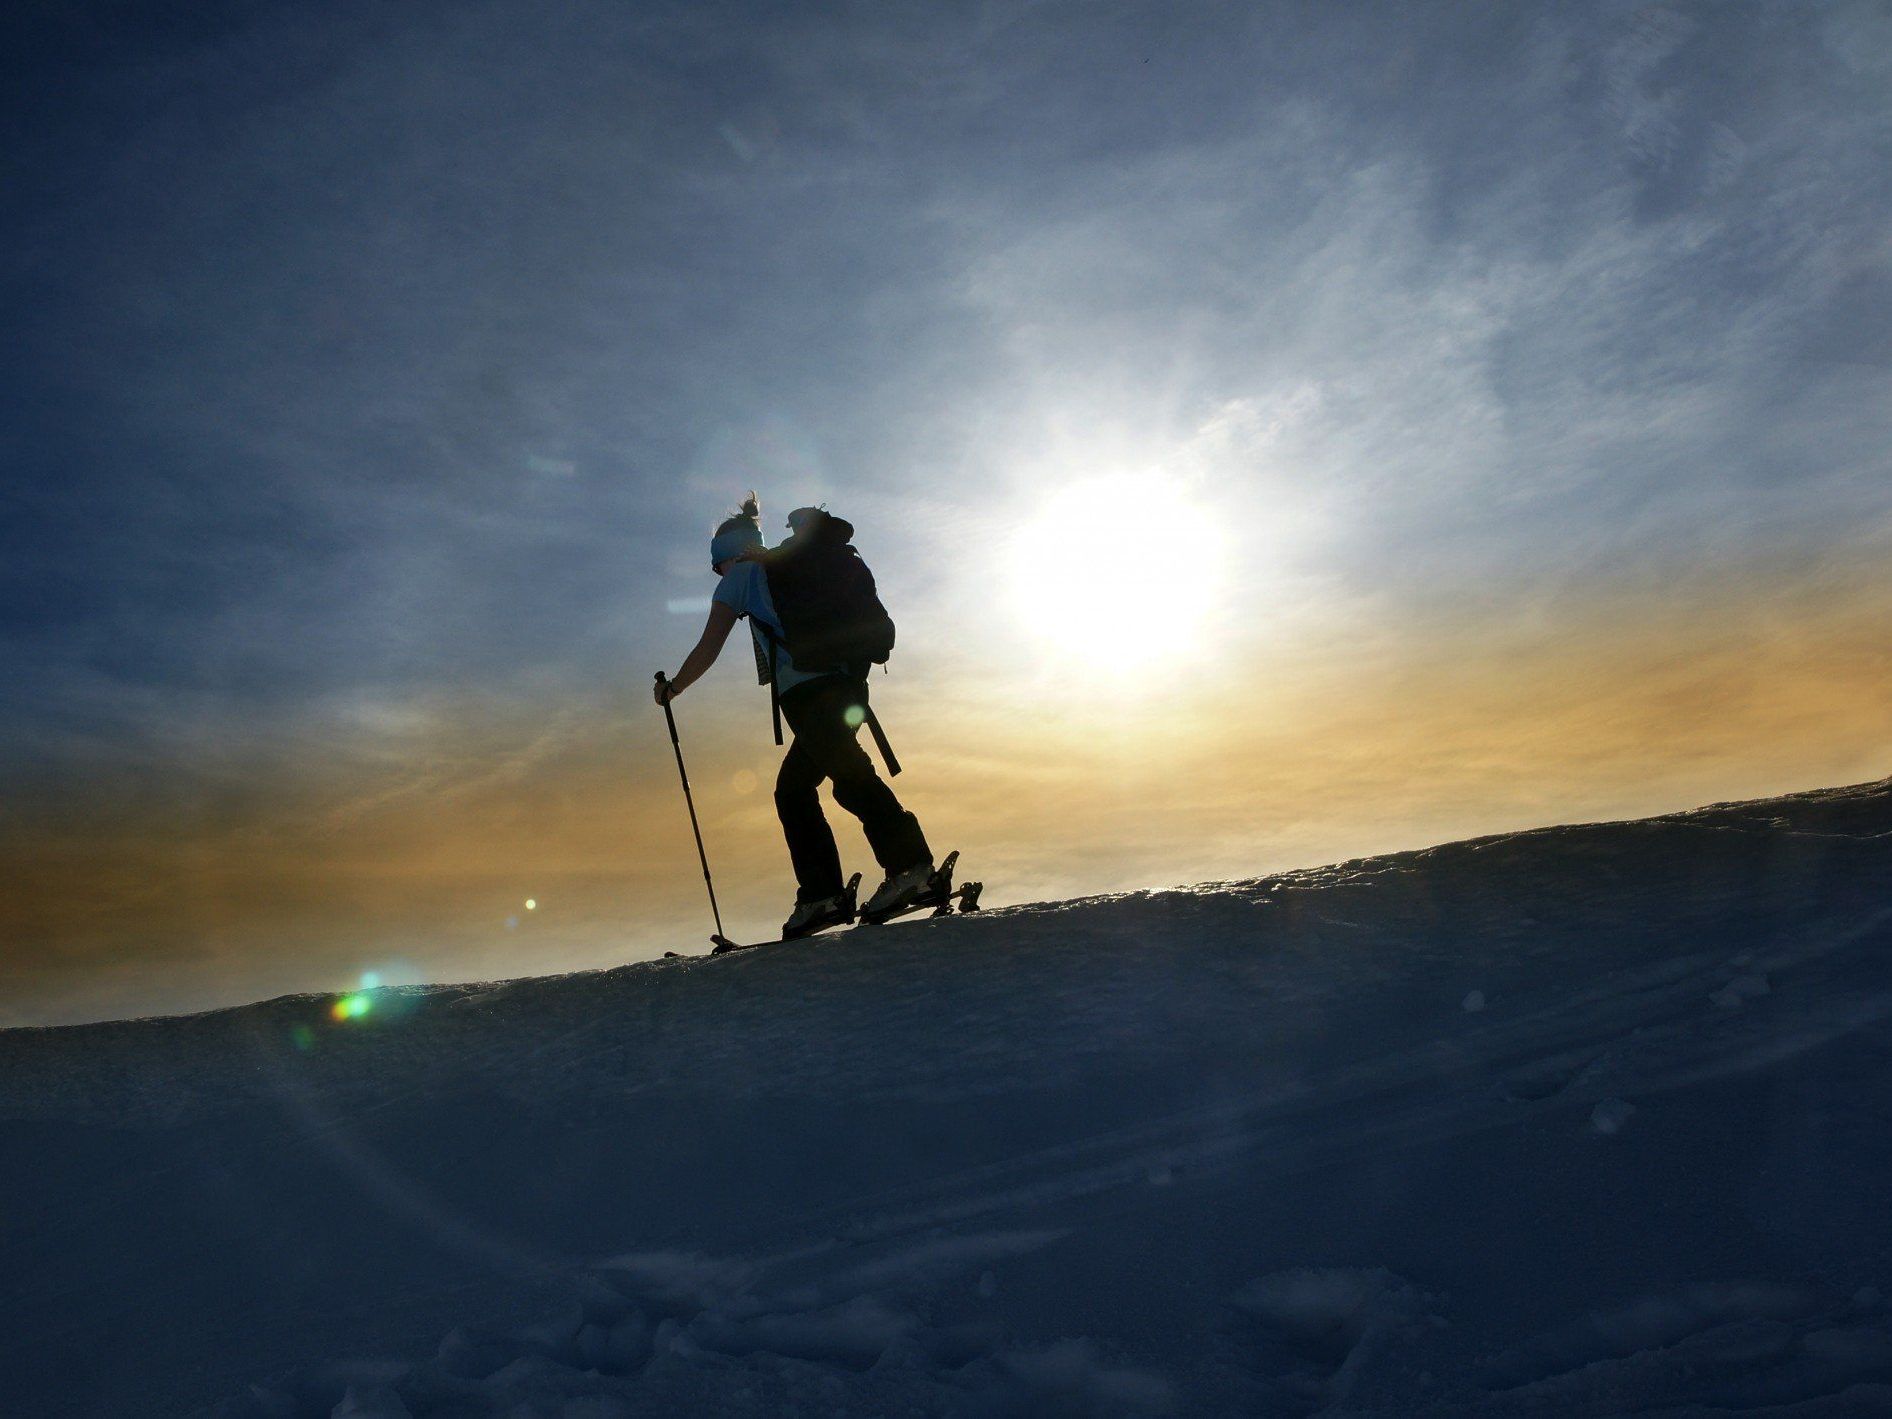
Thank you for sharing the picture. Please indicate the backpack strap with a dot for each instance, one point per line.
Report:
(880, 743)
(775, 685)
(765, 669)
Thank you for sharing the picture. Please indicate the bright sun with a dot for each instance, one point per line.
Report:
(1122, 571)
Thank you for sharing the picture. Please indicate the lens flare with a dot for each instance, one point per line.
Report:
(532, 904)
(855, 716)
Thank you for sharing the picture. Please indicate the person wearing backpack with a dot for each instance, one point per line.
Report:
(815, 650)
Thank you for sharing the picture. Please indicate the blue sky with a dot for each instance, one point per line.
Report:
(375, 375)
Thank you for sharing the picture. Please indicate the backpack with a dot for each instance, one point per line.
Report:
(824, 597)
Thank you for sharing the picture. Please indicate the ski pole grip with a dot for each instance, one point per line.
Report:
(670, 719)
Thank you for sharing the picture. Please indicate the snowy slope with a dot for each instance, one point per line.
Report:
(1587, 1121)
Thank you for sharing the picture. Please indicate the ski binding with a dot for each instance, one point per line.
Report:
(939, 894)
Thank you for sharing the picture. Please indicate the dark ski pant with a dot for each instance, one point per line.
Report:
(826, 746)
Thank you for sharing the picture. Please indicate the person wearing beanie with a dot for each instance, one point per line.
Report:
(825, 710)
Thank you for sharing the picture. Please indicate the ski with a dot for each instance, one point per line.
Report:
(722, 945)
(940, 895)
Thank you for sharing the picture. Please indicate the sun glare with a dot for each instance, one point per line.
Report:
(1122, 572)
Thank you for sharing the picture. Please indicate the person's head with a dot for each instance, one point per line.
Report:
(736, 535)
(816, 526)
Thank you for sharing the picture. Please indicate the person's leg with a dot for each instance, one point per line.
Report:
(818, 713)
(811, 847)
(893, 833)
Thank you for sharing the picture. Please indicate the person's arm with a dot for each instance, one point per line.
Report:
(722, 620)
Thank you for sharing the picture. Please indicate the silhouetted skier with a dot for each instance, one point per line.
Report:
(838, 628)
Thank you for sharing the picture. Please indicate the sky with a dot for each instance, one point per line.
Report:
(1281, 432)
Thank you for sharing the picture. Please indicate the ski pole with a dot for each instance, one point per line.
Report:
(671, 720)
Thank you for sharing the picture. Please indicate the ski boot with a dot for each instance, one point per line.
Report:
(918, 888)
(810, 917)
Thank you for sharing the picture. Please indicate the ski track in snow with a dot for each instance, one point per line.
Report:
(1581, 1121)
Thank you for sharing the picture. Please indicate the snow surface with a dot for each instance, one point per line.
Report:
(1586, 1121)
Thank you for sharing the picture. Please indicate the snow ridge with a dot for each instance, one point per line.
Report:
(1586, 1120)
